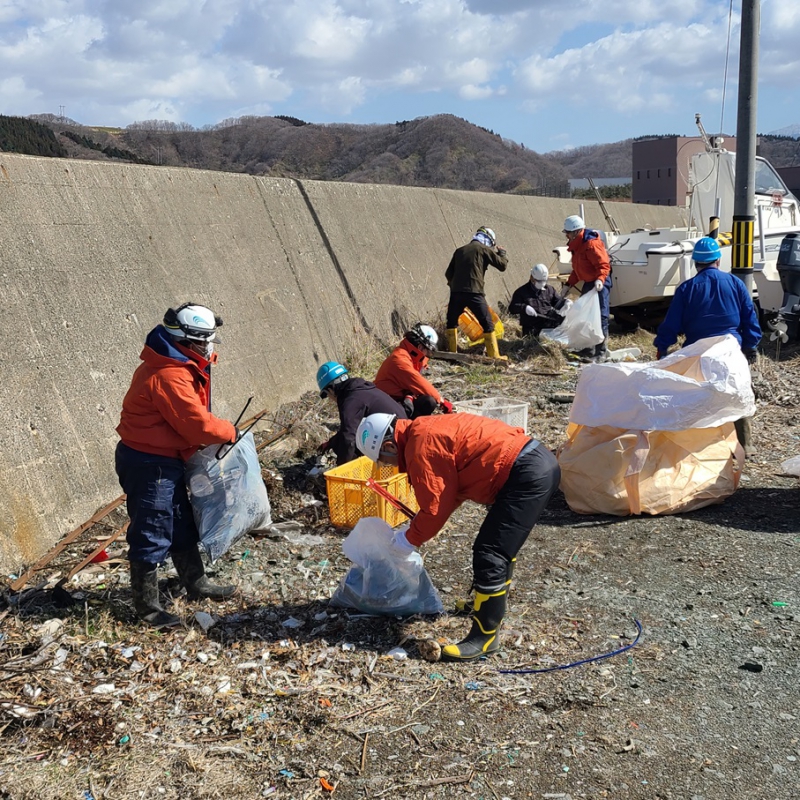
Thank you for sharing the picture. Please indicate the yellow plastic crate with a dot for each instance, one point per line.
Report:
(349, 497)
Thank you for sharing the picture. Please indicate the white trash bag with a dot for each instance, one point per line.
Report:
(382, 581)
(228, 496)
(581, 327)
(703, 385)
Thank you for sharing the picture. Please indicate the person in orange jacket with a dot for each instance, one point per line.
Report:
(400, 375)
(592, 265)
(450, 459)
(166, 416)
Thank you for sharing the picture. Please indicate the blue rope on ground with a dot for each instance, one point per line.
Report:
(577, 663)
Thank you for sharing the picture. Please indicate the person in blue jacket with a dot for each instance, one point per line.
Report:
(712, 303)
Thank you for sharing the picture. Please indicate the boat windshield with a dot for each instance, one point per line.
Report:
(767, 180)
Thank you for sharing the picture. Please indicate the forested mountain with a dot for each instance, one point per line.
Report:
(442, 150)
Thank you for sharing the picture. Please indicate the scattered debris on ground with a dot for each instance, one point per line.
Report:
(276, 694)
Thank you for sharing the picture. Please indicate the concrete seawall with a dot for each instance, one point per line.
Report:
(94, 253)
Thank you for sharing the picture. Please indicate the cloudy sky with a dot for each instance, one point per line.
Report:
(550, 74)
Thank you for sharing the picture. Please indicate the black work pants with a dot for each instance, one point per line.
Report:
(533, 480)
(476, 303)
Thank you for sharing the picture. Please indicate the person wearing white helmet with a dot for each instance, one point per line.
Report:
(166, 416)
(592, 265)
(450, 459)
(400, 375)
(538, 304)
(465, 276)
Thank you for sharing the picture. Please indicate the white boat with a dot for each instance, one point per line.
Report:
(648, 265)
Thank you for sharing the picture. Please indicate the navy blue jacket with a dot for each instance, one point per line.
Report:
(356, 399)
(712, 303)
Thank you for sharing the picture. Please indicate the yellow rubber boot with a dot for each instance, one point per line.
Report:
(482, 639)
(490, 339)
(452, 339)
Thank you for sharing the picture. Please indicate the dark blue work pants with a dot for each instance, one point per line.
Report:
(158, 505)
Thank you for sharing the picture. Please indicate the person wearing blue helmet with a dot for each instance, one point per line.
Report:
(712, 303)
(355, 398)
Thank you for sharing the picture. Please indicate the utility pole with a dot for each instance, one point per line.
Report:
(744, 190)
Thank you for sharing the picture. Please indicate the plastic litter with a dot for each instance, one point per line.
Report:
(791, 466)
(381, 580)
(624, 354)
(204, 620)
(228, 496)
(398, 654)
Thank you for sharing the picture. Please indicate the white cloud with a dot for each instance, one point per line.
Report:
(203, 61)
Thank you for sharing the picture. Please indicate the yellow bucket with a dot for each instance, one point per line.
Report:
(470, 327)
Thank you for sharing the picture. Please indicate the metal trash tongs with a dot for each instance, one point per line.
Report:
(231, 445)
(390, 498)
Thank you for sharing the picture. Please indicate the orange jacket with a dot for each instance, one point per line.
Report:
(166, 411)
(452, 458)
(590, 260)
(399, 375)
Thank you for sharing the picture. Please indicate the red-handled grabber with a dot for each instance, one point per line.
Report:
(390, 498)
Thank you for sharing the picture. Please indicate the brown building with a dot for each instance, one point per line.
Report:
(661, 168)
(791, 177)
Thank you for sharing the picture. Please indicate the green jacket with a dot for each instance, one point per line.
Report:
(468, 266)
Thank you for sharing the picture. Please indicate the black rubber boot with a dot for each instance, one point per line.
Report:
(601, 352)
(144, 588)
(482, 639)
(192, 573)
(465, 605)
(745, 435)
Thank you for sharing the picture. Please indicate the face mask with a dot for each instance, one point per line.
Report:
(540, 284)
(204, 349)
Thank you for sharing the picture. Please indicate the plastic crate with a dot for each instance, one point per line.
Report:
(349, 498)
(512, 412)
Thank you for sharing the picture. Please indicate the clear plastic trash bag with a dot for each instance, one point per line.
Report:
(382, 580)
(228, 496)
(582, 327)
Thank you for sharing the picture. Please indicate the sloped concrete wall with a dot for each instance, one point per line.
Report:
(94, 253)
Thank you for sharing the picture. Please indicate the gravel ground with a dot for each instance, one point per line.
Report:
(287, 697)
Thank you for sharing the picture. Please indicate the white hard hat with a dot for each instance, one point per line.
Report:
(539, 272)
(574, 223)
(372, 432)
(192, 321)
(489, 232)
(431, 335)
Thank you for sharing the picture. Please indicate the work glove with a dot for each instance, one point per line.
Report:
(531, 311)
(565, 290)
(750, 354)
(598, 285)
(562, 312)
(403, 548)
(661, 354)
(324, 447)
(501, 251)
(446, 406)
(237, 436)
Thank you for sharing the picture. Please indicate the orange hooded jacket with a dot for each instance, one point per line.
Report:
(452, 458)
(166, 411)
(399, 375)
(590, 261)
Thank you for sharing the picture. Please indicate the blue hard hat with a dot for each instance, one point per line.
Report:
(706, 251)
(328, 373)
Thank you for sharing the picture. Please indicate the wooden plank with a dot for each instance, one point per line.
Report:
(466, 358)
(20, 582)
(99, 549)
